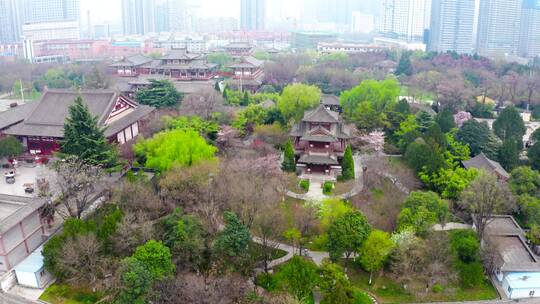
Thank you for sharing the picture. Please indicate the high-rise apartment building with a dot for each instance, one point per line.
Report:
(529, 42)
(403, 19)
(178, 15)
(451, 28)
(498, 27)
(252, 15)
(10, 21)
(138, 17)
(51, 10)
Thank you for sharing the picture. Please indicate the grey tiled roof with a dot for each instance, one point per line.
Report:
(16, 114)
(135, 60)
(118, 125)
(49, 115)
(481, 161)
(330, 100)
(180, 54)
(247, 62)
(321, 114)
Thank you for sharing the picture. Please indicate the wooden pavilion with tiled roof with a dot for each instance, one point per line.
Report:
(319, 142)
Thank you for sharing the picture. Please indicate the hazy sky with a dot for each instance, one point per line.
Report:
(110, 10)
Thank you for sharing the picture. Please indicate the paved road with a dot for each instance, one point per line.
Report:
(6, 298)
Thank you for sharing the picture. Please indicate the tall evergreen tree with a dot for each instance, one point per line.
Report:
(347, 166)
(84, 138)
(160, 93)
(509, 154)
(216, 86)
(245, 99)
(425, 120)
(445, 119)
(510, 126)
(288, 164)
(404, 66)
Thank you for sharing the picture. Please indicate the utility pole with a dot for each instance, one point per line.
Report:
(22, 90)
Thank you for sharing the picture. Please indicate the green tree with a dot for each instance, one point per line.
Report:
(465, 245)
(84, 138)
(289, 163)
(252, 116)
(159, 94)
(216, 87)
(434, 136)
(347, 165)
(382, 95)
(510, 126)
(529, 209)
(533, 153)
(298, 277)
(185, 236)
(525, 180)
(334, 285)
(156, 259)
(10, 147)
(245, 99)
(297, 98)
(445, 119)
(375, 251)
(449, 182)
(404, 66)
(479, 138)
(407, 133)
(425, 120)
(347, 234)
(221, 59)
(174, 147)
(424, 158)
(509, 154)
(234, 240)
(136, 282)
(421, 210)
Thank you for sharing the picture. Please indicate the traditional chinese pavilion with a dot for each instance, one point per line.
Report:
(247, 74)
(239, 48)
(319, 142)
(178, 64)
(40, 126)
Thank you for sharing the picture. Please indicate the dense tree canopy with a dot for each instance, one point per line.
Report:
(174, 147)
(347, 234)
(479, 138)
(160, 93)
(297, 98)
(421, 210)
(509, 126)
(10, 147)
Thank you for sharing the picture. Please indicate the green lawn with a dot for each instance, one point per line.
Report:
(388, 291)
(65, 294)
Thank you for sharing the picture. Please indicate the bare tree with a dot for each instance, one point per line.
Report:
(249, 184)
(189, 288)
(203, 103)
(135, 229)
(306, 222)
(195, 190)
(268, 226)
(81, 261)
(77, 184)
(485, 197)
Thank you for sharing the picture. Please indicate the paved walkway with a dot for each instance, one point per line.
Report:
(451, 226)
(315, 194)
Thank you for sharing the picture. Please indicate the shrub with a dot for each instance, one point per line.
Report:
(266, 281)
(304, 184)
(361, 297)
(465, 246)
(470, 274)
(437, 288)
(328, 187)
